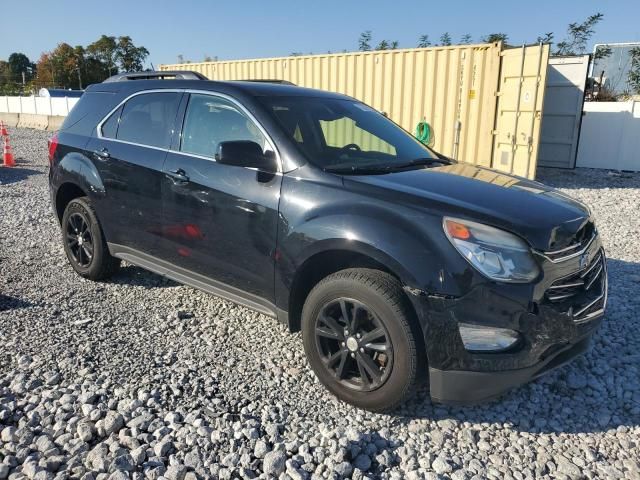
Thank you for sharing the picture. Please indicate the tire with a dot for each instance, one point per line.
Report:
(379, 303)
(80, 223)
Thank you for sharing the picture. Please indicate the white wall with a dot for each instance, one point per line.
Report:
(37, 105)
(610, 136)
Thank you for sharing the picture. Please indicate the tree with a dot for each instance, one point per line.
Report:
(602, 51)
(45, 76)
(394, 44)
(423, 41)
(578, 35)
(129, 57)
(634, 70)
(65, 65)
(19, 63)
(466, 39)
(364, 42)
(104, 50)
(445, 39)
(5, 72)
(546, 38)
(383, 45)
(495, 37)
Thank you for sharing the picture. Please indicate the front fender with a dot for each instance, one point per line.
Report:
(319, 217)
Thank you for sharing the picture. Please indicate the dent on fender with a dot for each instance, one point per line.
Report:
(77, 168)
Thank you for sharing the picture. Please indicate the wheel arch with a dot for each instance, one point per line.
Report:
(333, 257)
(65, 193)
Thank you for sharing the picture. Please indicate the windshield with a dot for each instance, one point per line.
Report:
(346, 136)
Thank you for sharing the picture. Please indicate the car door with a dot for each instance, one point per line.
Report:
(128, 151)
(220, 221)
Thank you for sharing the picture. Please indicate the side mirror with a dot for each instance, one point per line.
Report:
(245, 153)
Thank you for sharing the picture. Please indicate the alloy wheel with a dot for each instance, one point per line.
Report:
(79, 239)
(353, 344)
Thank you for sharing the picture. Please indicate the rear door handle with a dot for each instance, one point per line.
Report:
(178, 175)
(102, 154)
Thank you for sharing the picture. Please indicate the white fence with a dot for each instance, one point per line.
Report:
(610, 136)
(50, 106)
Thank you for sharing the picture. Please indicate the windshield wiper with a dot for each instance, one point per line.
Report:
(359, 169)
(421, 161)
(373, 169)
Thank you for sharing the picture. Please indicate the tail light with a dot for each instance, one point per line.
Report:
(53, 145)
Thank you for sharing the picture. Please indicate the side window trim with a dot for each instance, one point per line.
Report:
(121, 104)
(179, 121)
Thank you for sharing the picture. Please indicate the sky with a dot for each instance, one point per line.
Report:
(270, 28)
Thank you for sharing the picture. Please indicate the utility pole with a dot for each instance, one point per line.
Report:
(79, 78)
(24, 81)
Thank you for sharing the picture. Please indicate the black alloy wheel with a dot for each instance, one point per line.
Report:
(362, 338)
(79, 239)
(84, 242)
(354, 344)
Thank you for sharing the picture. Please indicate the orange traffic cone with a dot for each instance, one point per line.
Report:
(3, 130)
(7, 156)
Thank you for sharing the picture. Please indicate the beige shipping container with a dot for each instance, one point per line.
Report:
(454, 89)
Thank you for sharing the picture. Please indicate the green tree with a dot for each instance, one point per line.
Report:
(19, 63)
(578, 35)
(364, 42)
(634, 70)
(104, 50)
(5, 72)
(546, 38)
(129, 57)
(423, 41)
(495, 37)
(65, 64)
(383, 45)
(602, 51)
(445, 39)
(466, 39)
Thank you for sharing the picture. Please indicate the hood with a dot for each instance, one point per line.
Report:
(546, 218)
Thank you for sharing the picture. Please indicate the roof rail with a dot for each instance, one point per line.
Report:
(155, 75)
(266, 80)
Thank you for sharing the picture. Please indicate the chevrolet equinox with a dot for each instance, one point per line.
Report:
(396, 263)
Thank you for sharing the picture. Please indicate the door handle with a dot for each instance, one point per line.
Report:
(102, 154)
(178, 175)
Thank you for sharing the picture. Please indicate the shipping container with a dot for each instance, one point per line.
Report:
(454, 89)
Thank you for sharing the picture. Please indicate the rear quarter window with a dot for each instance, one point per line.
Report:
(87, 112)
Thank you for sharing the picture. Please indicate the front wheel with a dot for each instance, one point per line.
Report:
(84, 241)
(360, 338)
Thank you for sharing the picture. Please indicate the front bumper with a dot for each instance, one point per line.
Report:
(458, 387)
(553, 330)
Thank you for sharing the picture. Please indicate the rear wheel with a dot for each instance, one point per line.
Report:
(360, 338)
(84, 242)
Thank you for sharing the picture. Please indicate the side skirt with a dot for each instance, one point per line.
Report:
(195, 280)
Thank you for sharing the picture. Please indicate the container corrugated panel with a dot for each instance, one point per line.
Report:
(519, 112)
(446, 86)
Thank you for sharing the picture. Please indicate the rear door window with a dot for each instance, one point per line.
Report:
(148, 119)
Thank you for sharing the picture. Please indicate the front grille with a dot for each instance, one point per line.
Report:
(582, 240)
(583, 293)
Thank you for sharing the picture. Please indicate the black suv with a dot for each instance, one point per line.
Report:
(316, 209)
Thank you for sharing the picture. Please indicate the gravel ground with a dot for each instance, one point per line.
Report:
(139, 377)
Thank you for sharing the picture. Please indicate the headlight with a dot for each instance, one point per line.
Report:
(495, 253)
